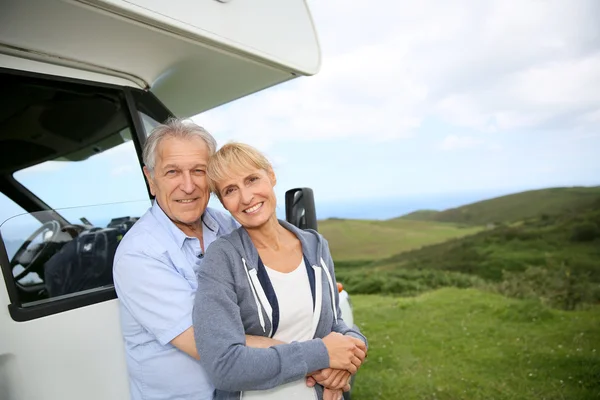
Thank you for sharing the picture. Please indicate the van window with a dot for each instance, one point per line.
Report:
(72, 183)
(149, 123)
(103, 172)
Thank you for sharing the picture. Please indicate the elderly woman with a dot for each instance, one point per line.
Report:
(271, 279)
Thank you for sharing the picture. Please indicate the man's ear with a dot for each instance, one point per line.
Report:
(272, 177)
(150, 180)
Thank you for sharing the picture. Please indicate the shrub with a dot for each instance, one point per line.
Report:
(585, 232)
(361, 282)
(545, 217)
(525, 311)
(555, 287)
(406, 282)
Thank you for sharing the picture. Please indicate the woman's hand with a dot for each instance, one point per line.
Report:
(345, 352)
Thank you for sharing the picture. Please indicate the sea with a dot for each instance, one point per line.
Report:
(392, 207)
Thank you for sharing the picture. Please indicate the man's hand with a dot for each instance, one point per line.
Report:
(332, 378)
(332, 394)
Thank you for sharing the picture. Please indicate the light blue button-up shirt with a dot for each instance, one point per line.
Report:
(155, 271)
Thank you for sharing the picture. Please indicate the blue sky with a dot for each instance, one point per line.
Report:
(426, 104)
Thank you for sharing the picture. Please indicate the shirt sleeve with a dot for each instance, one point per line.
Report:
(155, 293)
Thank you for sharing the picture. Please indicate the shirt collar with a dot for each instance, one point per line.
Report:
(209, 221)
(178, 235)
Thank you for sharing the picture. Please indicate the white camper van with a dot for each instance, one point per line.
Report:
(82, 83)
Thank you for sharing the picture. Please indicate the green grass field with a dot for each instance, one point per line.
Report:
(468, 344)
(506, 311)
(352, 240)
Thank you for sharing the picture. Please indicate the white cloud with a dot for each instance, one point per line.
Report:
(491, 65)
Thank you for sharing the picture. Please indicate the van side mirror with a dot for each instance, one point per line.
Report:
(300, 208)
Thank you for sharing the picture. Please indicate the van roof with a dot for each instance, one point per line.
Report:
(193, 57)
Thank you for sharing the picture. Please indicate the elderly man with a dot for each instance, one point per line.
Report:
(157, 261)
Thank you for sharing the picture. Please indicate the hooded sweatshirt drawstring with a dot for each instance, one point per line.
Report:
(331, 290)
(261, 318)
(318, 299)
(262, 297)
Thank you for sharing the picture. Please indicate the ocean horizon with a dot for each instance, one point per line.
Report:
(387, 208)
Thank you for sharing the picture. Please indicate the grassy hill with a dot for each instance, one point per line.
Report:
(513, 207)
(553, 258)
(469, 344)
(352, 240)
(421, 215)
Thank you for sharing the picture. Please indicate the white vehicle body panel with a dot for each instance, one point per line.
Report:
(246, 26)
(346, 308)
(77, 354)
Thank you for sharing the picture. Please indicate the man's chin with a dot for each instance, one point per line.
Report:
(189, 218)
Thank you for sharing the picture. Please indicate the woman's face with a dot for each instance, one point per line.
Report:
(249, 196)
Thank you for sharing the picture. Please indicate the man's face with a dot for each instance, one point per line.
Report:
(179, 182)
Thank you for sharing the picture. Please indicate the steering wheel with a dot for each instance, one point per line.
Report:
(32, 257)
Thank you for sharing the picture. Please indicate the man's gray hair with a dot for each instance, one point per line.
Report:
(175, 128)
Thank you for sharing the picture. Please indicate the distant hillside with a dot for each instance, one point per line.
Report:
(535, 242)
(556, 258)
(513, 207)
(421, 215)
(352, 239)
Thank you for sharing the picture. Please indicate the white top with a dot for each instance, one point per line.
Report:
(295, 324)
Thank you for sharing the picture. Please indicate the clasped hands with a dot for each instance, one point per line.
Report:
(346, 355)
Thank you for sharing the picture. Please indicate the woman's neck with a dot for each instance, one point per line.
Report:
(267, 236)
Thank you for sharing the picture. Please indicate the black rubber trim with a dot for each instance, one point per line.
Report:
(143, 101)
(139, 135)
(61, 79)
(149, 104)
(11, 287)
(51, 307)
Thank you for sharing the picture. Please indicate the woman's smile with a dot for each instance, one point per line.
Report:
(254, 208)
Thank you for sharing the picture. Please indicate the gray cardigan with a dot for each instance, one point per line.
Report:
(235, 298)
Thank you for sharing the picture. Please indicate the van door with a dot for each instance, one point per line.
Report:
(71, 185)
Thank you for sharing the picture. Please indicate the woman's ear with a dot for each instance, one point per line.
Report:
(272, 176)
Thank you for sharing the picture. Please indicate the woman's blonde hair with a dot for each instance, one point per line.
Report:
(231, 158)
